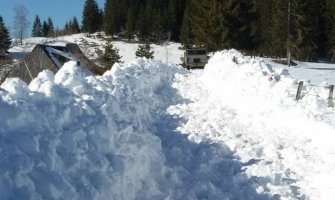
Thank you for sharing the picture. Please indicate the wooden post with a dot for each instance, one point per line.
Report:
(297, 96)
(31, 76)
(330, 97)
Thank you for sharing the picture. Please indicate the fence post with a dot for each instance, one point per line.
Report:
(297, 96)
(330, 97)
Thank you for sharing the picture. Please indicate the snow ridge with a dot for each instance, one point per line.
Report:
(149, 130)
(74, 136)
(244, 103)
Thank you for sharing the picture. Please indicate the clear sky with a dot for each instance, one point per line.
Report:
(60, 11)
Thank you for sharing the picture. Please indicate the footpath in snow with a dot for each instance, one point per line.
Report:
(148, 130)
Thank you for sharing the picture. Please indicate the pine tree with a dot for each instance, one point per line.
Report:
(75, 26)
(329, 18)
(37, 27)
(45, 29)
(175, 15)
(144, 51)
(217, 24)
(208, 23)
(273, 37)
(130, 29)
(115, 16)
(144, 23)
(109, 56)
(5, 40)
(303, 29)
(51, 28)
(239, 25)
(279, 30)
(186, 35)
(91, 17)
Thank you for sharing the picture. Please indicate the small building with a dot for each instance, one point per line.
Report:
(48, 56)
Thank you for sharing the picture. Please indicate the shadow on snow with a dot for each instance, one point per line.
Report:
(206, 170)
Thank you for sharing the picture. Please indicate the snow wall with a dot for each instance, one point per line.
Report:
(286, 146)
(77, 136)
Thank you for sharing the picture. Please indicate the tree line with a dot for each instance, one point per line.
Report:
(264, 27)
(305, 28)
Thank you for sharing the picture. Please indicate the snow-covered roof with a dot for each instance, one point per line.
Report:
(55, 54)
(61, 43)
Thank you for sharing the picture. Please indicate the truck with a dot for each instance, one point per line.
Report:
(194, 58)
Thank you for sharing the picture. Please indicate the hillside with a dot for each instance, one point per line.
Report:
(149, 129)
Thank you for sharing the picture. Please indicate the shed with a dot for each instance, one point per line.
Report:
(51, 57)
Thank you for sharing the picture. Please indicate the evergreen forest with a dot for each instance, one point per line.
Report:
(305, 28)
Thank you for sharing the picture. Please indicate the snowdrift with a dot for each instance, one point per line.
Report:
(246, 104)
(148, 130)
(75, 136)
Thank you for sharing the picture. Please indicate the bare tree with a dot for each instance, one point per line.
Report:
(20, 21)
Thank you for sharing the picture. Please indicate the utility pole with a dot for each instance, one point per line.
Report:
(289, 34)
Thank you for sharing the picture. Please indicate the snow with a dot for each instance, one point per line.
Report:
(287, 145)
(52, 52)
(168, 53)
(314, 73)
(82, 137)
(149, 129)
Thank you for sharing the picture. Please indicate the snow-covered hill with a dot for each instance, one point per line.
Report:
(152, 130)
(170, 52)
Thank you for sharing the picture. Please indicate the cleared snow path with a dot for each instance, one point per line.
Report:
(148, 130)
(76, 136)
(286, 148)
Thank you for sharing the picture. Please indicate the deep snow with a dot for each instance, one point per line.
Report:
(151, 130)
(287, 146)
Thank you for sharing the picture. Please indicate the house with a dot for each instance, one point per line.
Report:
(49, 56)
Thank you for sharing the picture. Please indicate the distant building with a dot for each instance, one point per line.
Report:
(48, 56)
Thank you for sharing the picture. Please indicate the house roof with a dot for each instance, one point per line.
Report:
(51, 57)
(58, 54)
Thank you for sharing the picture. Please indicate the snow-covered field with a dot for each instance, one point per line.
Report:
(152, 130)
(169, 52)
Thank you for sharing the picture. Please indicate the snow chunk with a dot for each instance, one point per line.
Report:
(15, 87)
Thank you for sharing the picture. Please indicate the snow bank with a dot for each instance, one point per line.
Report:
(242, 102)
(148, 130)
(253, 87)
(74, 136)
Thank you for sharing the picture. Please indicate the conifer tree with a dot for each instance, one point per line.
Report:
(91, 17)
(37, 27)
(144, 23)
(186, 35)
(143, 50)
(329, 18)
(208, 23)
(130, 29)
(5, 40)
(109, 56)
(239, 25)
(303, 29)
(268, 29)
(279, 31)
(51, 28)
(45, 29)
(75, 26)
(114, 19)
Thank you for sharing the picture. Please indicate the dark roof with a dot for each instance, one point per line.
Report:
(50, 57)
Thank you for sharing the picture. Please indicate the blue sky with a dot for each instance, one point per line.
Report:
(60, 11)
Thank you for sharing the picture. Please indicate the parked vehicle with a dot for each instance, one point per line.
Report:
(194, 58)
